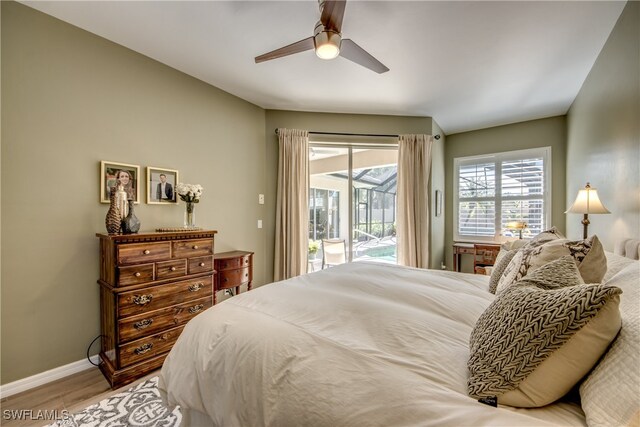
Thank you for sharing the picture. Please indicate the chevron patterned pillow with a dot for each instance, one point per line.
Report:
(588, 254)
(559, 273)
(532, 345)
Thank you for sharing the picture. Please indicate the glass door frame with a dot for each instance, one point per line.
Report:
(350, 146)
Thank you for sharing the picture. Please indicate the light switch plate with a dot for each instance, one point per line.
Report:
(259, 223)
(261, 199)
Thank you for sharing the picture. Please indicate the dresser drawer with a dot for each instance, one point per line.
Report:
(144, 348)
(135, 274)
(136, 327)
(192, 248)
(161, 296)
(464, 250)
(169, 269)
(231, 263)
(232, 278)
(200, 264)
(136, 253)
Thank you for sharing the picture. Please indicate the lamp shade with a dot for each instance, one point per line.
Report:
(515, 225)
(587, 202)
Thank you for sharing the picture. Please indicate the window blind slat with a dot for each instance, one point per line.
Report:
(521, 182)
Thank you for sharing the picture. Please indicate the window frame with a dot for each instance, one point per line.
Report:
(497, 159)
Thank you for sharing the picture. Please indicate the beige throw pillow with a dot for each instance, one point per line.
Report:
(500, 264)
(514, 244)
(547, 235)
(532, 345)
(588, 254)
(557, 274)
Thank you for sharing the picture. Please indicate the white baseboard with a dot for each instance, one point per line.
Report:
(33, 381)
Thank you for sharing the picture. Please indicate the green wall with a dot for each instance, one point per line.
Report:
(69, 100)
(603, 135)
(550, 132)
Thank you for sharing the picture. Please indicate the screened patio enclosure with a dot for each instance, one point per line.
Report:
(356, 204)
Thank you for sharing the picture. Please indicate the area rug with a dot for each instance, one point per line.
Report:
(139, 406)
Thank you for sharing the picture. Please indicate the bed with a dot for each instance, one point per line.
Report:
(360, 344)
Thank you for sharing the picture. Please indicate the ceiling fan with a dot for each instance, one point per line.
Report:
(327, 40)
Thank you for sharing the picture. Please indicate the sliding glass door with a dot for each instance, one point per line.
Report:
(352, 201)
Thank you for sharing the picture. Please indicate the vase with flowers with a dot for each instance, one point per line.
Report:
(190, 194)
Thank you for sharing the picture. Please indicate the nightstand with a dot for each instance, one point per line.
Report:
(233, 269)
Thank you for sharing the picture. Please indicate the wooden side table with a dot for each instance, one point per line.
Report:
(484, 254)
(461, 248)
(484, 257)
(234, 268)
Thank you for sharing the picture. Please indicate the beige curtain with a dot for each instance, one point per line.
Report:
(292, 212)
(412, 222)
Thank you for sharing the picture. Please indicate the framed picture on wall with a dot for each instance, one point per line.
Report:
(129, 175)
(161, 186)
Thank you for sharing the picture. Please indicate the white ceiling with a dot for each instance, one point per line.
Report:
(469, 65)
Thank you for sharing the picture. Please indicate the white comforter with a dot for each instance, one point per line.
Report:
(356, 345)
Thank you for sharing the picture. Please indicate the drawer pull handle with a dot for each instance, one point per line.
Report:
(145, 323)
(196, 308)
(226, 265)
(143, 348)
(246, 274)
(195, 246)
(137, 274)
(226, 279)
(172, 269)
(142, 299)
(201, 264)
(195, 287)
(246, 261)
(146, 252)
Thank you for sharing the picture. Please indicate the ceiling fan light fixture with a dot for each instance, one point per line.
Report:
(327, 44)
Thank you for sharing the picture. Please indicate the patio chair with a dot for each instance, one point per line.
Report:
(334, 252)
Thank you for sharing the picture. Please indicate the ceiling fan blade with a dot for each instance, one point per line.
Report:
(332, 14)
(355, 53)
(297, 47)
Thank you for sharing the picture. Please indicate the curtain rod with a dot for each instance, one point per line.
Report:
(357, 134)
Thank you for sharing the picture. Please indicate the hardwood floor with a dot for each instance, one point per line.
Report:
(40, 406)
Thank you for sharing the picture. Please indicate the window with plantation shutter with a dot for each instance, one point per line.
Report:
(495, 189)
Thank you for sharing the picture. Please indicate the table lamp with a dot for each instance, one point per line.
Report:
(516, 225)
(587, 202)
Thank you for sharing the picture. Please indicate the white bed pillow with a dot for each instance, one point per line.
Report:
(539, 337)
(611, 393)
(615, 263)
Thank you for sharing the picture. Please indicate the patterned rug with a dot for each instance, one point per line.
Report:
(139, 406)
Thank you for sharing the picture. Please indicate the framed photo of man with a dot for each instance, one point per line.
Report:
(128, 175)
(161, 186)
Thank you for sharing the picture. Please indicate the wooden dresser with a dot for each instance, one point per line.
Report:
(234, 269)
(151, 285)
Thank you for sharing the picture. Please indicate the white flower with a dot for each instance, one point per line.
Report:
(189, 192)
